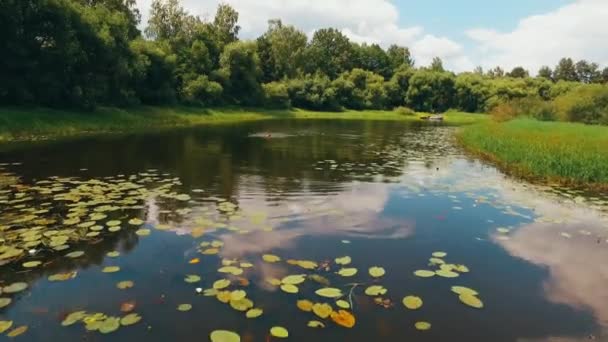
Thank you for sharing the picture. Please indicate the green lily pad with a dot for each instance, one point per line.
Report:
(5, 325)
(376, 271)
(412, 302)
(73, 318)
(4, 302)
(192, 278)
(221, 284)
(329, 292)
(15, 287)
(126, 284)
(375, 290)
(279, 332)
(110, 324)
(113, 254)
(224, 336)
(343, 260)
(446, 274)
(75, 254)
(31, 264)
(110, 269)
(440, 254)
(253, 313)
(471, 300)
(143, 232)
(347, 272)
(130, 319)
(184, 307)
(424, 273)
(423, 325)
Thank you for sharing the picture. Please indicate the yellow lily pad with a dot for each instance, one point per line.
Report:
(210, 251)
(376, 271)
(17, 331)
(343, 304)
(329, 292)
(136, 222)
(323, 310)
(231, 270)
(304, 305)
(75, 254)
(221, 284)
(461, 290)
(111, 324)
(110, 269)
(143, 232)
(423, 325)
(253, 313)
(424, 273)
(347, 272)
(224, 336)
(243, 304)
(279, 332)
(375, 290)
(15, 287)
(294, 279)
(184, 307)
(130, 319)
(446, 274)
(237, 295)
(31, 264)
(4, 302)
(271, 258)
(127, 284)
(5, 325)
(315, 324)
(343, 260)
(289, 288)
(440, 254)
(113, 254)
(192, 278)
(412, 302)
(471, 300)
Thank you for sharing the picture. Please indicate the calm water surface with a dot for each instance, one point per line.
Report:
(383, 193)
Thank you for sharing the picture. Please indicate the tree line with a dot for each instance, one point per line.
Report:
(85, 53)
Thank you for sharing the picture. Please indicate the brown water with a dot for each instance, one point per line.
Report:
(385, 194)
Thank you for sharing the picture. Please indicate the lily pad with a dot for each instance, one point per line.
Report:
(440, 254)
(221, 284)
(446, 274)
(294, 279)
(471, 300)
(224, 336)
(113, 254)
(75, 254)
(315, 324)
(376, 271)
(243, 304)
(127, 284)
(423, 325)
(62, 276)
(424, 273)
(343, 304)
(31, 264)
(15, 287)
(375, 290)
(130, 319)
(461, 290)
(237, 295)
(343, 260)
(347, 272)
(231, 270)
(184, 307)
(192, 278)
(343, 318)
(110, 269)
(5, 325)
(135, 222)
(73, 318)
(289, 288)
(304, 305)
(110, 324)
(323, 310)
(253, 313)
(271, 258)
(329, 292)
(17, 331)
(412, 302)
(143, 232)
(4, 302)
(279, 332)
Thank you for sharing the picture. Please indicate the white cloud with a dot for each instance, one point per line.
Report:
(578, 30)
(372, 21)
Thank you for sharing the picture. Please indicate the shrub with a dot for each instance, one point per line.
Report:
(201, 90)
(276, 95)
(402, 110)
(587, 104)
(530, 106)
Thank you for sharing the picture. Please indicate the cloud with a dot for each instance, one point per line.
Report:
(578, 30)
(372, 21)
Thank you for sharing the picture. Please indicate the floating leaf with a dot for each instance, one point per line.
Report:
(5, 325)
(143, 232)
(237, 295)
(73, 318)
(461, 268)
(184, 307)
(243, 304)
(343, 260)
(113, 223)
(423, 325)
(15, 287)
(135, 222)
(375, 290)
(446, 274)
(111, 324)
(17, 331)
(412, 302)
(279, 332)
(289, 288)
(192, 278)
(347, 272)
(194, 261)
(130, 319)
(440, 254)
(343, 318)
(31, 264)
(75, 254)
(113, 254)
(123, 285)
(376, 271)
(110, 269)
(471, 300)
(343, 304)
(320, 279)
(224, 336)
(63, 276)
(304, 305)
(461, 290)
(270, 258)
(329, 292)
(424, 273)
(294, 279)
(224, 296)
(210, 251)
(253, 313)
(436, 261)
(305, 264)
(315, 324)
(231, 270)
(503, 230)
(323, 310)
(4, 302)
(221, 284)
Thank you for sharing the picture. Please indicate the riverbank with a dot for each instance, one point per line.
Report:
(553, 152)
(43, 123)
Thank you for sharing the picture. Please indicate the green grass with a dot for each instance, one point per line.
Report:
(555, 152)
(36, 123)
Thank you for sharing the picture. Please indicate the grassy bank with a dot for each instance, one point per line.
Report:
(555, 152)
(36, 123)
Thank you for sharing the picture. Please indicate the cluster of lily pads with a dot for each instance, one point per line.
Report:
(5, 301)
(100, 322)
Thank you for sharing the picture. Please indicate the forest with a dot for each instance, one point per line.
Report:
(81, 54)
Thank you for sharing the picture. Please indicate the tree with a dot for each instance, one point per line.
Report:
(588, 72)
(225, 24)
(373, 58)
(604, 78)
(127, 7)
(565, 70)
(329, 52)
(518, 72)
(496, 72)
(437, 65)
(240, 72)
(361, 89)
(281, 49)
(399, 56)
(478, 70)
(167, 20)
(545, 72)
(431, 91)
(471, 92)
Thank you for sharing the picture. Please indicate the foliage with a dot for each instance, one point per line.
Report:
(402, 110)
(588, 104)
(276, 95)
(431, 91)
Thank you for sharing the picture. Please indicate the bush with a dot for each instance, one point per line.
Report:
(530, 106)
(276, 95)
(587, 104)
(402, 110)
(202, 91)
(313, 92)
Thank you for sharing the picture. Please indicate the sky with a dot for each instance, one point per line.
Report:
(464, 33)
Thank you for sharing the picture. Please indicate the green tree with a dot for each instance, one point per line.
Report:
(588, 72)
(565, 70)
(437, 65)
(471, 92)
(518, 72)
(374, 59)
(329, 52)
(497, 72)
(281, 49)
(225, 24)
(361, 89)
(431, 91)
(545, 72)
(399, 56)
(240, 73)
